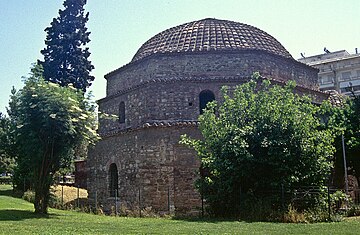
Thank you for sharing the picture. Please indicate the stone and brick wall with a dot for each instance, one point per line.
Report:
(208, 65)
(150, 161)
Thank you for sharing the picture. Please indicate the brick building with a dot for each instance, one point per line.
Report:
(159, 95)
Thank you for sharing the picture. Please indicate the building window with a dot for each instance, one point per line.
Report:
(122, 112)
(346, 76)
(205, 97)
(113, 180)
(320, 79)
(327, 79)
(350, 89)
(356, 88)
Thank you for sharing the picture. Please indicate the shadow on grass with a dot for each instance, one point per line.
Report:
(208, 219)
(205, 219)
(10, 193)
(18, 215)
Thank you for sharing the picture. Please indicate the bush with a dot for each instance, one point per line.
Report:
(336, 218)
(29, 196)
(354, 210)
(293, 216)
(338, 200)
(258, 209)
(55, 202)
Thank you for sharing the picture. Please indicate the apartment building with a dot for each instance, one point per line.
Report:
(338, 70)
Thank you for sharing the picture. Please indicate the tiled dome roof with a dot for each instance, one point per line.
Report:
(211, 35)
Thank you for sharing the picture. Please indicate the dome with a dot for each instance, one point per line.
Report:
(211, 35)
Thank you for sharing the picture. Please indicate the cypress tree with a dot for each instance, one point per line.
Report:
(66, 55)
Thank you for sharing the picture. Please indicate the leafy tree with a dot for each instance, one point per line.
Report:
(50, 121)
(65, 56)
(7, 161)
(260, 138)
(348, 118)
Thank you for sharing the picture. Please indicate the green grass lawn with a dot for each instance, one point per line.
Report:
(17, 217)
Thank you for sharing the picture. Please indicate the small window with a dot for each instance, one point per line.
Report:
(113, 180)
(328, 79)
(122, 112)
(344, 90)
(356, 88)
(320, 80)
(346, 75)
(205, 97)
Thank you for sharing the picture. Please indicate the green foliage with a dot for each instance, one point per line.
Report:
(65, 56)
(315, 215)
(260, 138)
(352, 113)
(354, 210)
(338, 197)
(49, 122)
(29, 196)
(352, 134)
(345, 120)
(7, 161)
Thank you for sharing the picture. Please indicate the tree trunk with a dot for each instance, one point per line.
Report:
(41, 200)
(42, 196)
(43, 182)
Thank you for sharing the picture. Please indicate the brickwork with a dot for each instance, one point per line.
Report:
(152, 161)
(209, 65)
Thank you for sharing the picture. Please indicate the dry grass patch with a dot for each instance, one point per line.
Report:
(70, 194)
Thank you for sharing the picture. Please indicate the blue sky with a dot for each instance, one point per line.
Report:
(119, 28)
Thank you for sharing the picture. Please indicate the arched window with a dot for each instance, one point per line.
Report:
(122, 112)
(113, 180)
(205, 97)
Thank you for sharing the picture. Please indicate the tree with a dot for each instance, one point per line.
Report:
(65, 56)
(50, 121)
(348, 116)
(7, 161)
(262, 137)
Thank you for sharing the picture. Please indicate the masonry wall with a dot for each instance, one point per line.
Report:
(222, 64)
(150, 162)
(172, 100)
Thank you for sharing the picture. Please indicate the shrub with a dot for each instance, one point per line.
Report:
(338, 199)
(354, 210)
(259, 208)
(29, 196)
(55, 202)
(336, 218)
(293, 216)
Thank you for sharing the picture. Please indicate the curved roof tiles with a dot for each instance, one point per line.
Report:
(210, 35)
